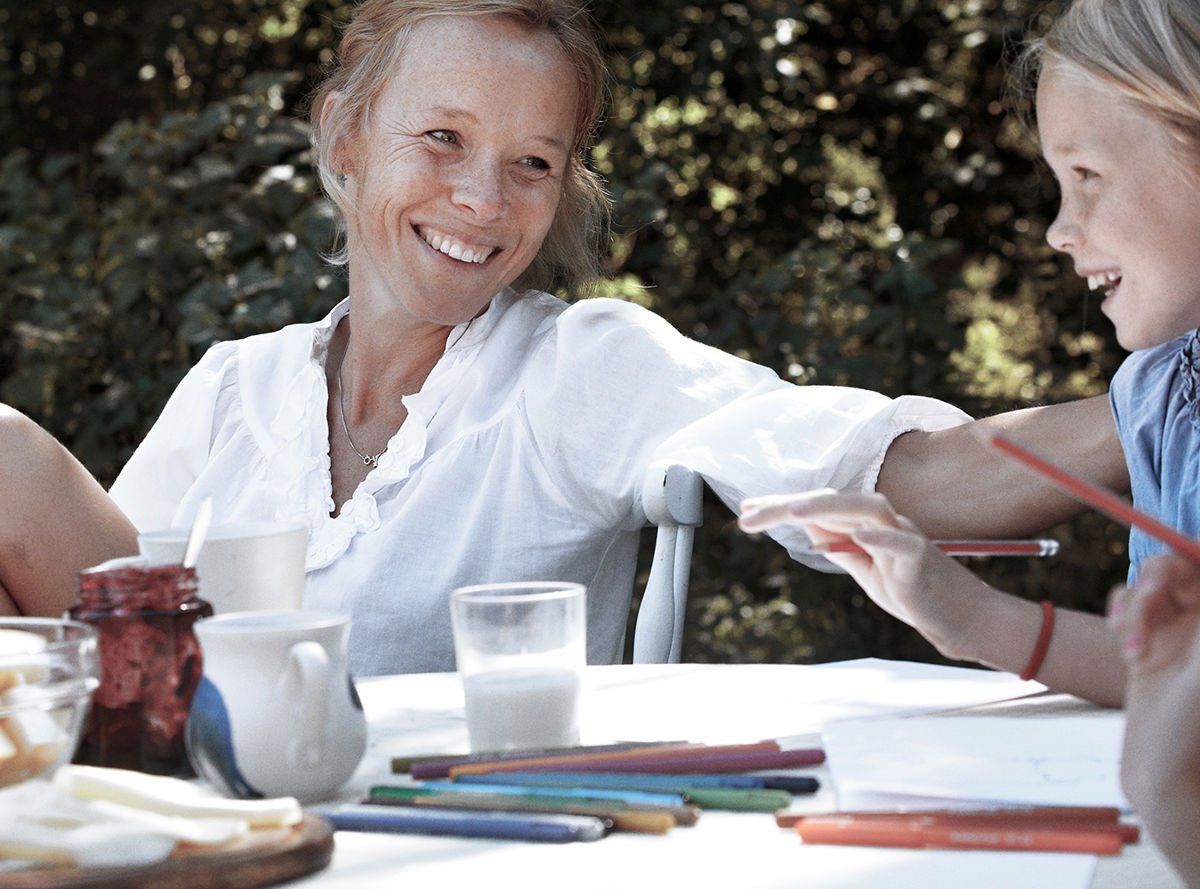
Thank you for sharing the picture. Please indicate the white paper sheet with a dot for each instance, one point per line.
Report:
(756, 701)
(1065, 760)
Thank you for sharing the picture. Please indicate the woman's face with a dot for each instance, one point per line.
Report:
(1129, 215)
(458, 173)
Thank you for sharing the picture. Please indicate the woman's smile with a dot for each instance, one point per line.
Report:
(449, 245)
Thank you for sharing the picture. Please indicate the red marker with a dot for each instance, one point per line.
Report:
(919, 833)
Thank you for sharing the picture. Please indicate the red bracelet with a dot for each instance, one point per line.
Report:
(1043, 642)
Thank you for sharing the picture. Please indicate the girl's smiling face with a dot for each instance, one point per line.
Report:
(1130, 211)
(458, 173)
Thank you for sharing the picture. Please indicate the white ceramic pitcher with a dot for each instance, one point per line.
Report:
(276, 712)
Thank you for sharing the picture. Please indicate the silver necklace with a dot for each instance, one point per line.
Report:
(371, 459)
(368, 459)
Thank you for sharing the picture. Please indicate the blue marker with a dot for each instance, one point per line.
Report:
(635, 797)
(549, 828)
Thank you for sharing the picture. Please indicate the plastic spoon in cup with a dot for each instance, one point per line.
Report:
(197, 534)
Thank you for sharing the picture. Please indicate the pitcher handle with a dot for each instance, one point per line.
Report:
(306, 682)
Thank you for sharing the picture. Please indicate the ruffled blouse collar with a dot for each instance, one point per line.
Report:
(302, 435)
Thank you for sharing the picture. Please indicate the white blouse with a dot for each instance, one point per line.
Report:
(522, 458)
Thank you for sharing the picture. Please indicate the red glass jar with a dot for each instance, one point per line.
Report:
(149, 663)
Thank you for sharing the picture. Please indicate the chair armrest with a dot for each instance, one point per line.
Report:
(672, 497)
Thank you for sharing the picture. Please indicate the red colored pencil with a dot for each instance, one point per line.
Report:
(1093, 495)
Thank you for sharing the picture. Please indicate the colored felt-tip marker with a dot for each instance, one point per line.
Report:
(601, 786)
(798, 784)
(693, 758)
(732, 799)
(913, 834)
(630, 797)
(644, 819)
(682, 813)
(1033, 548)
(438, 765)
(1072, 818)
(539, 827)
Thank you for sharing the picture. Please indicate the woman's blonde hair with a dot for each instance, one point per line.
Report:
(1146, 50)
(372, 46)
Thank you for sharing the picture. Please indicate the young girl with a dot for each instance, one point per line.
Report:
(1118, 114)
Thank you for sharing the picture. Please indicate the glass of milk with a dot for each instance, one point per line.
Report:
(520, 650)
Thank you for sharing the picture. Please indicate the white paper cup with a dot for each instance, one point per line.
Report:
(243, 566)
(520, 650)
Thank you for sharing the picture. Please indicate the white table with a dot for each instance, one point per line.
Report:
(422, 714)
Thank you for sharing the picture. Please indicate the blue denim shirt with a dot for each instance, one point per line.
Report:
(1154, 399)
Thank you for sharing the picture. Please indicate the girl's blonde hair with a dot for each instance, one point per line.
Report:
(1146, 50)
(372, 46)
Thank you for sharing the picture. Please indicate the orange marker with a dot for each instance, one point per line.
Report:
(910, 833)
(1085, 818)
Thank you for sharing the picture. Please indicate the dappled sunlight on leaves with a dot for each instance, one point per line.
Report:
(835, 190)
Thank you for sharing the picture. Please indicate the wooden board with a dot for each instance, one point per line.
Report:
(264, 857)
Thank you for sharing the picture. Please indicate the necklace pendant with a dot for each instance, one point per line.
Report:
(369, 460)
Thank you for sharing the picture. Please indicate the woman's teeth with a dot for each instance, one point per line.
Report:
(457, 250)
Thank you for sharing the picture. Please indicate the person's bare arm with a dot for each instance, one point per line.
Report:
(963, 617)
(55, 520)
(953, 483)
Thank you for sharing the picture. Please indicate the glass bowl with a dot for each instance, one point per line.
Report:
(48, 671)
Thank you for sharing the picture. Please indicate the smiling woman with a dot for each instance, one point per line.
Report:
(452, 422)
(455, 180)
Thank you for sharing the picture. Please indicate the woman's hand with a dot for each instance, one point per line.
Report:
(1158, 622)
(900, 569)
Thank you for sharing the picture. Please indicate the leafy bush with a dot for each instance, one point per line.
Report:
(832, 189)
(181, 232)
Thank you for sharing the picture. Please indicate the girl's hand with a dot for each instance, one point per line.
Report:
(900, 569)
(1158, 623)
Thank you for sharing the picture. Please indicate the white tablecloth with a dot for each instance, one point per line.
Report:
(422, 714)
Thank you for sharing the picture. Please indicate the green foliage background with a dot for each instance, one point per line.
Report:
(834, 189)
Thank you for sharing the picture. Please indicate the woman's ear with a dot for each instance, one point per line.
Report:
(342, 153)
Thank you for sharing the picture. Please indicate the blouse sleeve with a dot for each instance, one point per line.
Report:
(800, 438)
(644, 393)
(151, 485)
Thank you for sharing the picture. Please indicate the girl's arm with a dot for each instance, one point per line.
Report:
(964, 618)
